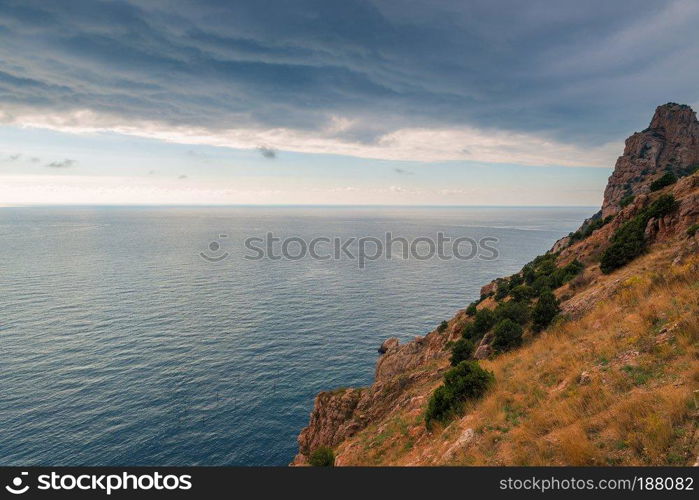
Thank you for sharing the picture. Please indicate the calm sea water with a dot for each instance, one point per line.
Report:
(120, 345)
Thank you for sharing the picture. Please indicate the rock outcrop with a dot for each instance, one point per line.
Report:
(669, 144)
(340, 414)
(406, 373)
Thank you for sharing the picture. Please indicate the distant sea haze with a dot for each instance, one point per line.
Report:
(122, 345)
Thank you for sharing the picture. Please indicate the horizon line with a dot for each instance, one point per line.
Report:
(280, 205)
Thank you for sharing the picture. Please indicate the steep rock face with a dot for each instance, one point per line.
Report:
(670, 143)
(340, 414)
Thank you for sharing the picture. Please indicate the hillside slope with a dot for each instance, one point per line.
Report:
(609, 380)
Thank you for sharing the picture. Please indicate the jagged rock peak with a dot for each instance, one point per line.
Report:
(669, 144)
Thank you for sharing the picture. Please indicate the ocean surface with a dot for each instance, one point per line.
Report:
(124, 340)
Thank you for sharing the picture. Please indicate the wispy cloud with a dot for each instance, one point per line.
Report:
(267, 152)
(67, 163)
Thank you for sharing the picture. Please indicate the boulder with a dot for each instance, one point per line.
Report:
(388, 344)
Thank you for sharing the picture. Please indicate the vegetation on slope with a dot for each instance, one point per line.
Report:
(466, 381)
(613, 386)
(629, 241)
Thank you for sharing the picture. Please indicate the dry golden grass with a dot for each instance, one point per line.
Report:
(611, 387)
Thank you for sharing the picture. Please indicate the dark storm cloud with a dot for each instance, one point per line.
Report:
(583, 71)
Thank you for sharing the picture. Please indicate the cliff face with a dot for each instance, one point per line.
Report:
(669, 144)
(556, 380)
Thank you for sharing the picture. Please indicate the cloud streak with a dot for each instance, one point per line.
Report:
(67, 163)
(358, 77)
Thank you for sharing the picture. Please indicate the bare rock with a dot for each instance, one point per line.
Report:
(461, 443)
(388, 345)
(483, 351)
(489, 288)
(671, 142)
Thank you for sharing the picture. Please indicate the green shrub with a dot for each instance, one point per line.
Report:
(472, 309)
(522, 293)
(441, 405)
(529, 274)
(629, 240)
(461, 350)
(592, 226)
(667, 179)
(322, 457)
(516, 280)
(466, 381)
(689, 170)
(442, 326)
(564, 274)
(544, 311)
(513, 310)
(542, 282)
(626, 200)
(691, 230)
(502, 290)
(508, 335)
(484, 321)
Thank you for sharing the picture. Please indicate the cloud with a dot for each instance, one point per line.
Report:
(67, 163)
(347, 76)
(267, 152)
(183, 176)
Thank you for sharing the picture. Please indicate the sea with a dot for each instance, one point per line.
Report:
(170, 336)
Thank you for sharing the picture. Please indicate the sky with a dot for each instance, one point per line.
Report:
(411, 102)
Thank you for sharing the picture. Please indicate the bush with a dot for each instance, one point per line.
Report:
(464, 382)
(667, 179)
(629, 240)
(691, 230)
(322, 457)
(516, 280)
(522, 293)
(564, 274)
(515, 311)
(626, 200)
(544, 311)
(472, 309)
(502, 290)
(508, 335)
(541, 283)
(484, 321)
(529, 274)
(442, 326)
(461, 350)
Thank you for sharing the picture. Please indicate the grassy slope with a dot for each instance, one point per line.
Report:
(633, 405)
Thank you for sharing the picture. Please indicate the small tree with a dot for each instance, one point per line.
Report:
(516, 311)
(508, 335)
(322, 457)
(461, 351)
(442, 326)
(485, 319)
(471, 310)
(544, 311)
(465, 381)
(667, 179)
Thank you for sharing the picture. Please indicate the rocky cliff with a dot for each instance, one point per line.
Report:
(669, 144)
(623, 338)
